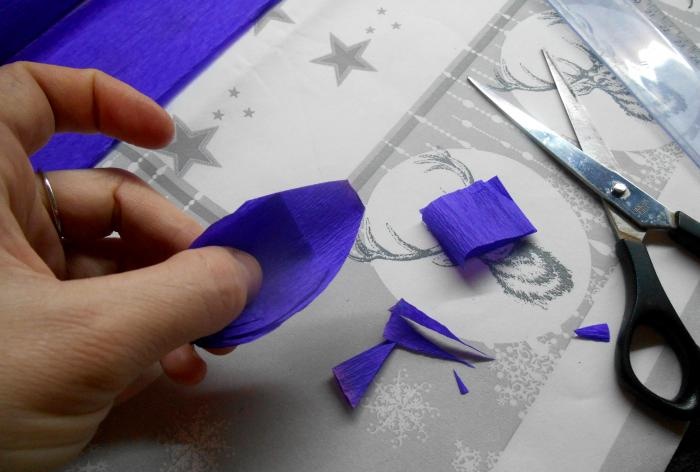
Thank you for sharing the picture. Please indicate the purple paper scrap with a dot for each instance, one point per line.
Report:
(355, 375)
(398, 330)
(597, 332)
(407, 311)
(475, 220)
(463, 390)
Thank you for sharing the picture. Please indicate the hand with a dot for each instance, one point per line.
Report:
(85, 322)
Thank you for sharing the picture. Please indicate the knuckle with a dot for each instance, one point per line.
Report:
(118, 173)
(15, 69)
(93, 73)
(123, 178)
(224, 280)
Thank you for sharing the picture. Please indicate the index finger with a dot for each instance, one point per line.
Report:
(40, 99)
(95, 202)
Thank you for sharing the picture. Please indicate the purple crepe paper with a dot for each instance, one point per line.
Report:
(155, 46)
(398, 330)
(300, 237)
(463, 390)
(22, 21)
(475, 220)
(356, 374)
(407, 311)
(596, 332)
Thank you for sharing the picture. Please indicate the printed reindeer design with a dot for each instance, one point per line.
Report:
(583, 81)
(523, 270)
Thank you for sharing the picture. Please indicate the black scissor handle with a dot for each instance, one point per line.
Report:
(648, 305)
(686, 233)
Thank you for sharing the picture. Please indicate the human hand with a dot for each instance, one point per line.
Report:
(85, 322)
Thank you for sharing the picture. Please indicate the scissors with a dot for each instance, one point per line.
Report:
(631, 212)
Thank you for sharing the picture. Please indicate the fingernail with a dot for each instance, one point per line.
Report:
(253, 272)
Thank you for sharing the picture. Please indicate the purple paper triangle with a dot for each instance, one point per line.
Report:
(355, 375)
(597, 332)
(460, 385)
(410, 312)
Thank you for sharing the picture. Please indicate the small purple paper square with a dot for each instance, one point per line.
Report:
(475, 220)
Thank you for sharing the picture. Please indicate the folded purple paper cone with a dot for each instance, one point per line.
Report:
(475, 220)
(356, 374)
(300, 237)
(399, 331)
(597, 332)
(410, 312)
(463, 390)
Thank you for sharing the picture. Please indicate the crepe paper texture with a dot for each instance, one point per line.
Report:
(407, 311)
(155, 46)
(475, 220)
(399, 331)
(22, 21)
(355, 375)
(596, 332)
(463, 390)
(300, 237)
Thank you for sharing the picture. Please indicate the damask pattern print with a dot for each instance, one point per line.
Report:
(471, 460)
(521, 372)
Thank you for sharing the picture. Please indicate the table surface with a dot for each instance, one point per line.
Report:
(376, 92)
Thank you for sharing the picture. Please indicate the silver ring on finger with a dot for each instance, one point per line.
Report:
(53, 206)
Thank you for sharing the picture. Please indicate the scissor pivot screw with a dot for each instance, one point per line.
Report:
(619, 189)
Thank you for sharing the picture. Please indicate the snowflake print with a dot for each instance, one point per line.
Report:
(400, 409)
(521, 372)
(470, 460)
(197, 443)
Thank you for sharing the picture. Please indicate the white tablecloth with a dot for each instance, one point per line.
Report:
(376, 92)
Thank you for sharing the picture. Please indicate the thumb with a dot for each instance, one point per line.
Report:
(154, 310)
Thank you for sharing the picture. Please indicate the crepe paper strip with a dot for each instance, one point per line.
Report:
(596, 332)
(398, 330)
(300, 237)
(407, 311)
(22, 21)
(355, 375)
(463, 390)
(475, 220)
(155, 46)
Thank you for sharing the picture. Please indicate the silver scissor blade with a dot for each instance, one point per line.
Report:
(619, 192)
(588, 137)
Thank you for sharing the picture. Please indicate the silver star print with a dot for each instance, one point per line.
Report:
(369, 30)
(276, 14)
(248, 112)
(345, 58)
(218, 115)
(233, 92)
(189, 147)
(396, 25)
(381, 11)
